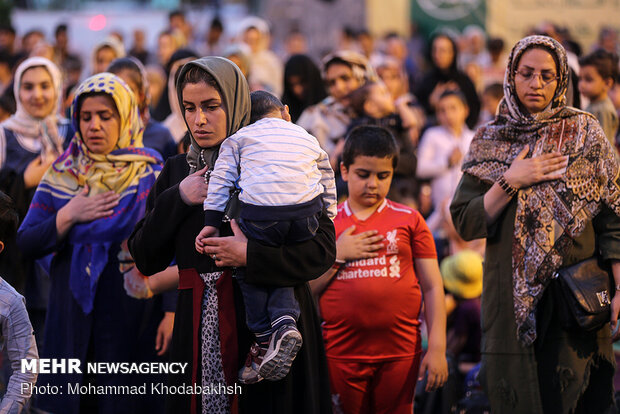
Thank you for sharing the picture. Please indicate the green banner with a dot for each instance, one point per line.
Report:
(431, 15)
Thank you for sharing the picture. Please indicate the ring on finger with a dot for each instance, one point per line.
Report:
(214, 257)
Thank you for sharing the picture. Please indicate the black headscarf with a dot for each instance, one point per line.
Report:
(452, 74)
(310, 76)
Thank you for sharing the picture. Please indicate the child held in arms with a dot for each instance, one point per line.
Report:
(286, 183)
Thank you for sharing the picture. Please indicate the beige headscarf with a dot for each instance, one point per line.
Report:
(362, 70)
(236, 98)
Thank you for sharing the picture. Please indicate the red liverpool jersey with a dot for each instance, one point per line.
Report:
(371, 307)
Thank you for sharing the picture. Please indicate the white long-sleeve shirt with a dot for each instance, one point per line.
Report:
(434, 151)
(276, 163)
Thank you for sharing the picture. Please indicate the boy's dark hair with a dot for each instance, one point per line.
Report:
(7, 28)
(451, 92)
(363, 32)
(496, 90)
(216, 23)
(392, 35)
(176, 13)
(605, 63)
(6, 58)
(358, 97)
(349, 32)
(7, 99)
(9, 219)
(32, 33)
(263, 103)
(370, 141)
(72, 62)
(495, 45)
(60, 28)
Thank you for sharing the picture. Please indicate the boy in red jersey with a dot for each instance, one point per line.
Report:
(371, 299)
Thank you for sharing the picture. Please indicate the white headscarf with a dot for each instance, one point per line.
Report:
(37, 133)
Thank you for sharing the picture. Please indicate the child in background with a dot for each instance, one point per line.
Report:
(462, 278)
(373, 104)
(392, 74)
(596, 77)
(286, 184)
(17, 336)
(370, 301)
(440, 154)
(491, 97)
(614, 95)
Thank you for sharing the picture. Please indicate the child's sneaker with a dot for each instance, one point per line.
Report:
(283, 347)
(248, 374)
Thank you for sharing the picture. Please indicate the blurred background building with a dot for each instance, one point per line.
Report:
(323, 23)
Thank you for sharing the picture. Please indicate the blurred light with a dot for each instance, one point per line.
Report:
(97, 23)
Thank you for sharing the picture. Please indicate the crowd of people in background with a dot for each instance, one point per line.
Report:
(431, 95)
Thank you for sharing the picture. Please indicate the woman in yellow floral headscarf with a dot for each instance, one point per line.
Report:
(84, 209)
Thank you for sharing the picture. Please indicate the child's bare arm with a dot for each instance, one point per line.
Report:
(142, 287)
(349, 246)
(434, 361)
(318, 285)
(165, 280)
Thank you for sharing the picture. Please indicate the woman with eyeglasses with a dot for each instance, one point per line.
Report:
(540, 183)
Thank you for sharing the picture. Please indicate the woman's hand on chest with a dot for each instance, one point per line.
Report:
(193, 188)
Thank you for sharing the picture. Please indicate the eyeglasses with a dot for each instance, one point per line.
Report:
(545, 77)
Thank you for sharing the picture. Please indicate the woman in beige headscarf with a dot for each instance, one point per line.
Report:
(266, 69)
(343, 72)
(105, 52)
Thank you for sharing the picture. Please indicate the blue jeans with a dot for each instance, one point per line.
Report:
(267, 308)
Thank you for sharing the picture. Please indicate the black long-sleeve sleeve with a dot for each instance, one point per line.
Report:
(152, 243)
(291, 265)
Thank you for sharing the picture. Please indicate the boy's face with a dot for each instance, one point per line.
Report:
(451, 112)
(368, 180)
(490, 103)
(591, 83)
(379, 102)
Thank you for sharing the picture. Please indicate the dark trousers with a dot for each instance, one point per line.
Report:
(266, 306)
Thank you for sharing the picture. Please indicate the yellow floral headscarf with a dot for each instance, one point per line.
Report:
(116, 171)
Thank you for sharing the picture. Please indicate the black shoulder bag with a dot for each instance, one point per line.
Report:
(584, 295)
